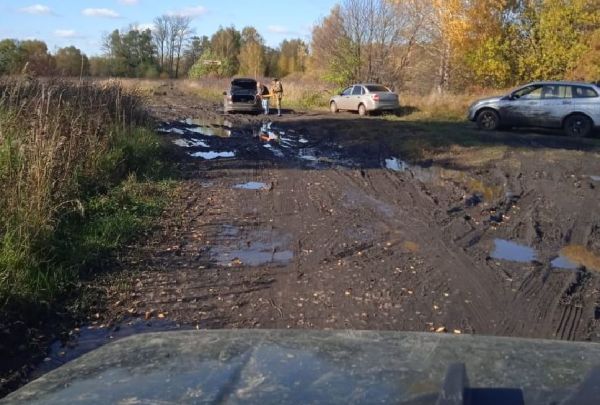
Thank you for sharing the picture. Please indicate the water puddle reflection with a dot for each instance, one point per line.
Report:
(563, 262)
(253, 248)
(396, 164)
(252, 185)
(247, 140)
(190, 143)
(222, 129)
(210, 155)
(177, 131)
(278, 153)
(581, 256)
(436, 175)
(572, 257)
(192, 127)
(511, 251)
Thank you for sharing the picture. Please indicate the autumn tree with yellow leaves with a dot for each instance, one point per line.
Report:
(464, 43)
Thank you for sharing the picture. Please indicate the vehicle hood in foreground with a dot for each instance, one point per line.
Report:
(319, 367)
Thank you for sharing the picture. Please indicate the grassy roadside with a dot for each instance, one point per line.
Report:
(303, 93)
(81, 174)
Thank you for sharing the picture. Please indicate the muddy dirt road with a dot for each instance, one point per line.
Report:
(319, 221)
(328, 221)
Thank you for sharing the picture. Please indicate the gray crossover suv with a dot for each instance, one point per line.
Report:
(573, 106)
(365, 98)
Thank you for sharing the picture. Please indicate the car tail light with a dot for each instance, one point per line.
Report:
(375, 97)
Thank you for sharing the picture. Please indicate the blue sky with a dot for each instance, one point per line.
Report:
(83, 23)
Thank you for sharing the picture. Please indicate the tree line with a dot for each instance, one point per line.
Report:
(421, 45)
(168, 50)
(457, 44)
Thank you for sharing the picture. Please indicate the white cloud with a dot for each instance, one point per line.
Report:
(100, 12)
(191, 12)
(65, 33)
(38, 9)
(129, 2)
(278, 29)
(144, 27)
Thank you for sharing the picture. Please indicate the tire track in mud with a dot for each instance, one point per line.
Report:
(571, 307)
(414, 217)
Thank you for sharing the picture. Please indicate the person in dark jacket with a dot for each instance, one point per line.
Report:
(262, 92)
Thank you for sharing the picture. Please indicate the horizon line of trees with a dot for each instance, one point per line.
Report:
(169, 50)
(422, 45)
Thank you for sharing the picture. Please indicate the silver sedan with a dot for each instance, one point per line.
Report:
(572, 106)
(365, 98)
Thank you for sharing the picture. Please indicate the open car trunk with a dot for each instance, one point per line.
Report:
(243, 98)
(243, 91)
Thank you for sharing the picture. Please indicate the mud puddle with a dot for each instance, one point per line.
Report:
(563, 262)
(514, 252)
(289, 146)
(190, 143)
(85, 339)
(571, 257)
(237, 247)
(252, 185)
(479, 190)
(211, 155)
(581, 256)
(222, 129)
(396, 165)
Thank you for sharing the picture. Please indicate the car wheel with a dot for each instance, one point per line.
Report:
(333, 107)
(578, 126)
(488, 120)
(362, 110)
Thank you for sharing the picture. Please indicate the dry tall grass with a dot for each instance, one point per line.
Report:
(299, 92)
(53, 134)
(310, 93)
(439, 107)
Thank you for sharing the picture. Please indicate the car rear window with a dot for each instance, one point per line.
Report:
(357, 91)
(377, 89)
(243, 85)
(583, 92)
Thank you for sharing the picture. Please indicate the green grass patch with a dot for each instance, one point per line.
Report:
(114, 200)
(87, 240)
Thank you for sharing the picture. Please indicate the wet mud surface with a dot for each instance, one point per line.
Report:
(318, 221)
(313, 221)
